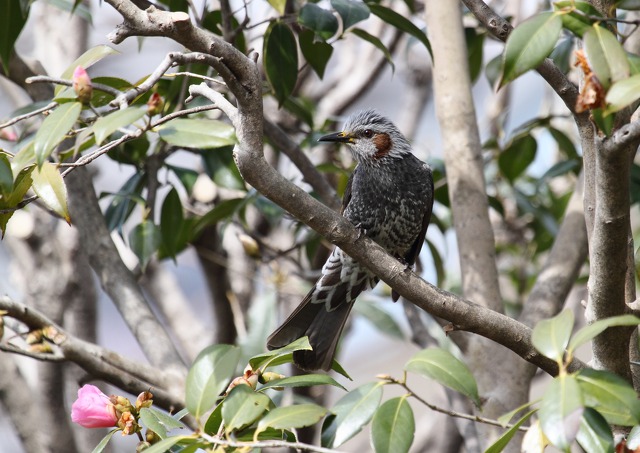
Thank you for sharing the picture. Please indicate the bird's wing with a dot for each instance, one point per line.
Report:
(414, 251)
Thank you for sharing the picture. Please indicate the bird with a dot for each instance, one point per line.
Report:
(389, 197)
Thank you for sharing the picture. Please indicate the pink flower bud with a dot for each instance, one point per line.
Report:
(82, 85)
(155, 104)
(8, 134)
(93, 409)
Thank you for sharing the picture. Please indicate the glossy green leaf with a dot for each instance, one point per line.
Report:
(603, 121)
(158, 421)
(442, 366)
(360, 33)
(166, 445)
(506, 437)
(529, 44)
(623, 93)
(292, 417)
(393, 426)
(101, 98)
(221, 168)
(594, 329)
(124, 201)
(577, 21)
(87, 59)
(187, 177)
(595, 434)
(144, 240)
(380, 318)
(318, 19)
(303, 380)
(515, 159)
(351, 12)
(242, 407)
(106, 125)
(400, 22)
(316, 52)
(610, 395)
(209, 376)
(269, 358)
(12, 20)
(54, 129)
(220, 211)
(171, 222)
(561, 410)
(6, 175)
(21, 184)
(606, 56)
(105, 441)
(280, 56)
(212, 426)
(475, 51)
(551, 336)
(197, 133)
(49, 186)
(352, 412)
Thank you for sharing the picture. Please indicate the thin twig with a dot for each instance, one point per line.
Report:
(29, 115)
(267, 444)
(98, 86)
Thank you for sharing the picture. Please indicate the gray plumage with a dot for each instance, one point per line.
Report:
(389, 196)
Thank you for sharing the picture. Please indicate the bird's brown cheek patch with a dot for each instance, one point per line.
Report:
(383, 145)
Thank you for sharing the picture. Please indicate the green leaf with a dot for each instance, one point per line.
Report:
(606, 56)
(351, 12)
(212, 426)
(54, 129)
(623, 93)
(171, 223)
(159, 422)
(220, 211)
(144, 240)
(12, 20)
(610, 395)
(209, 376)
(291, 417)
(352, 412)
(506, 437)
(268, 358)
(165, 445)
(49, 186)
(633, 439)
(187, 177)
(445, 368)
(124, 201)
(6, 175)
(304, 380)
(280, 57)
(106, 125)
(105, 440)
(529, 44)
(242, 407)
(576, 21)
(87, 59)
(317, 53)
(20, 186)
(475, 51)
(591, 331)
(380, 318)
(393, 427)
(595, 434)
(197, 133)
(515, 159)
(323, 22)
(603, 121)
(551, 336)
(278, 5)
(391, 17)
(360, 33)
(561, 410)
(222, 169)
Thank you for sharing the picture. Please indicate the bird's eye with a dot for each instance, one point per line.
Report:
(368, 133)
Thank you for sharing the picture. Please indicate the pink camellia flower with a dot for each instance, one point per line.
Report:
(93, 409)
(82, 85)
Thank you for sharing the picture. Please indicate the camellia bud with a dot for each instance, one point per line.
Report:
(82, 85)
(145, 399)
(151, 437)
(121, 404)
(155, 105)
(93, 409)
(250, 245)
(8, 134)
(269, 376)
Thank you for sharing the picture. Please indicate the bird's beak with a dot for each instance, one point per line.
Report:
(340, 137)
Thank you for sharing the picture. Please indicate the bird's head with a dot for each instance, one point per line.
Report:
(372, 138)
